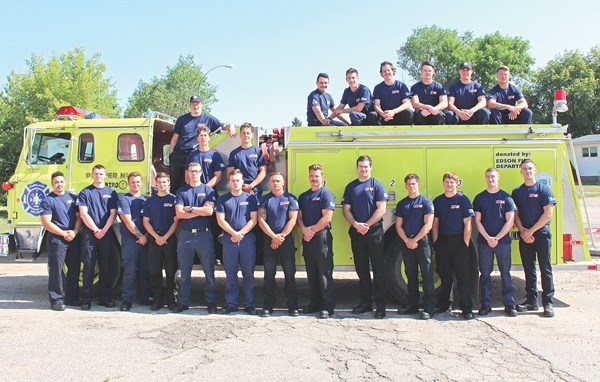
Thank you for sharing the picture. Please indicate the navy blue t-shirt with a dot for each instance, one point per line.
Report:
(363, 198)
(323, 100)
(210, 161)
(465, 95)
(236, 208)
(413, 211)
(248, 161)
(99, 201)
(428, 94)
(278, 208)
(161, 212)
(134, 206)
(195, 197)
(391, 96)
(62, 208)
(493, 209)
(187, 125)
(508, 96)
(312, 203)
(530, 202)
(361, 95)
(451, 212)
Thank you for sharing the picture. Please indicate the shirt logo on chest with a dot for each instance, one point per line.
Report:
(455, 206)
(532, 195)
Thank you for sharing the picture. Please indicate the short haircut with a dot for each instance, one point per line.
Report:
(55, 174)
(324, 75)
(233, 172)
(133, 174)
(450, 175)
(350, 71)
(162, 175)
(492, 169)
(502, 67)
(201, 129)
(364, 158)
(427, 62)
(98, 167)
(384, 63)
(412, 176)
(525, 161)
(247, 125)
(315, 167)
(194, 164)
(276, 173)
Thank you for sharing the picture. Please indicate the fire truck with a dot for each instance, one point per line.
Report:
(75, 141)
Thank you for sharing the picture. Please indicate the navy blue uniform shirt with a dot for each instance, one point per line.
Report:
(493, 209)
(361, 95)
(278, 208)
(134, 206)
(363, 198)
(312, 203)
(465, 95)
(99, 202)
(428, 94)
(210, 161)
(187, 125)
(391, 96)
(236, 208)
(323, 100)
(508, 96)
(195, 197)
(413, 211)
(161, 212)
(451, 212)
(62, 208)
(248, 161)
(530, 202)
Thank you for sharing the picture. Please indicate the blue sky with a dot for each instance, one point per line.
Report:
(277, 47)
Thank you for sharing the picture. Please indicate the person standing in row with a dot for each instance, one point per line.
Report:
(161, 224)
(535, 205)
(317, 205)
(60, 217)
(278, 211)
(414, 219)
(236, 214)
(494, 218)
(98, 210)
(194, 205)
(451, 236)
(364, 204)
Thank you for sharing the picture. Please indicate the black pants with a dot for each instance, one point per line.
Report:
(92, 250)
(431, 119)
(413, 260)
(159, 256)
(453, 259)
(60, 252)
(405, 117)
(318, 257)
(286, 254)
(177, 160)
(369, 248)
(540, 248)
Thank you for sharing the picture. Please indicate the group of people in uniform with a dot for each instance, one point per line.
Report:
(391, 103)
(168, 230)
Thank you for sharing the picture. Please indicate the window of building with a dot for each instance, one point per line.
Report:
(131, 148)
(86, 148)
(590, 152)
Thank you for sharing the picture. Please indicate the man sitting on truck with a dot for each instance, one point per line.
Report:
(466, 100)
(428, 98)
(98, 210)
(358, 98)
(506, 102)
(391, 100)
(320, 103)
(184, 139)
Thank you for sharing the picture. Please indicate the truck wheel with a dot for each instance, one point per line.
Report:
(395, 278)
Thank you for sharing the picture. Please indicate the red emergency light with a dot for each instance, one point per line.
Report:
(7, 186)
(79, 113)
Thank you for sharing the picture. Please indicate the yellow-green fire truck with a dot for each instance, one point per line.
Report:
(73, 144)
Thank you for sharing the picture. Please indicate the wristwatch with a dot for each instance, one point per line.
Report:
(190, 209)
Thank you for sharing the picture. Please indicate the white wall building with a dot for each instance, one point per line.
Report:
(587, 149)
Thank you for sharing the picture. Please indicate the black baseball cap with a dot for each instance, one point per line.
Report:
(195, 98)
(466, 65)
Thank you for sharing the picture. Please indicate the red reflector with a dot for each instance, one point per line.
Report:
(7, 186)
(593, 267)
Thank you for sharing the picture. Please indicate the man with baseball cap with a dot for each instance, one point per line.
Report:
(184, 139)
(466, 100)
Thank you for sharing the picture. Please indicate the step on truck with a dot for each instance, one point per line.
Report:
(73, 143)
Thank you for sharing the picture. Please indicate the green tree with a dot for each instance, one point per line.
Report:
(296, 122)
(579, 75)
(448, 49)
(170, 93)
(66, 79)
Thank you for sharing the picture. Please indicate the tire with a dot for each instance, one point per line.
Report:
(395, 278)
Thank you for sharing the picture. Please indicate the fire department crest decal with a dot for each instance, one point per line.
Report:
(32, 197)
